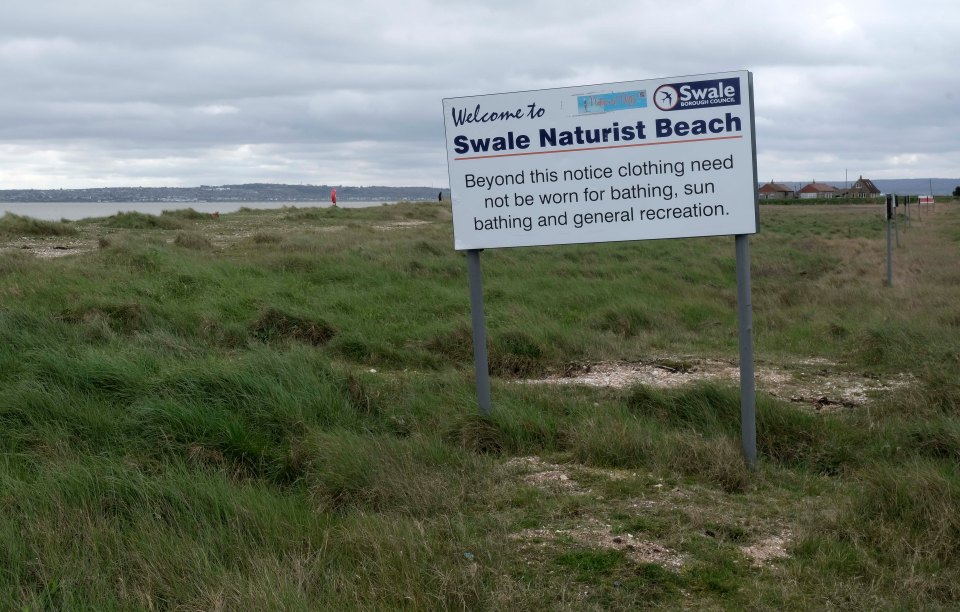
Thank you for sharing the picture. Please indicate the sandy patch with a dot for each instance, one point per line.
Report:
(815, 382)
(594, 534)
(51, 251)
(768, 549)
(400, 224)
(550, 477)
(554, 478)
(700, 505)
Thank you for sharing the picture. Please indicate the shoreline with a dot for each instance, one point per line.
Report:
(77, 211)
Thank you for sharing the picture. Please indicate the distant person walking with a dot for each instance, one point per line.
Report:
(333, 197)
(440, 197)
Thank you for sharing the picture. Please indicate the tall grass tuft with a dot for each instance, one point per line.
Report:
(122, 318)
(704, 407)
(516, 353)
(628, 322)
(12, 225)
(136, 220)
(418, 476)
(267, 238)
(786, 434)
(793, 437)
(455, 345)
(622, 440)
(274, 325)
(189, 214)
(887, 345)
(907, 513)
(477, 434)
(193, 240)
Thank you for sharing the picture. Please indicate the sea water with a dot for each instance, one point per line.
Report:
(73, 211)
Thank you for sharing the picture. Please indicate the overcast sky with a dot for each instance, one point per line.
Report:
(190, 92)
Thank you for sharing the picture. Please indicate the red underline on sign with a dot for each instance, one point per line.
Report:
(625, 146)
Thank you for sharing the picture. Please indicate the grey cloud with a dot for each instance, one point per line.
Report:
(187, 91)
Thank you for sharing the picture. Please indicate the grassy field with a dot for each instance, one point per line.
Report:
(275, 410)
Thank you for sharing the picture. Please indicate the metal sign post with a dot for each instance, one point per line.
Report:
(480, 360)
(748, 409)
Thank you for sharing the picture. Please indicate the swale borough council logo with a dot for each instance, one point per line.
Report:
(666, 97)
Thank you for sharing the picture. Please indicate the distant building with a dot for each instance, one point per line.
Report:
(863, 188)
(818, 190)
(777, 191)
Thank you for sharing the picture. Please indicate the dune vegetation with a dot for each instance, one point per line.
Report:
(275, 410)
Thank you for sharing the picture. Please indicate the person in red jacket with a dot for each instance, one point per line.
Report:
(333, 196)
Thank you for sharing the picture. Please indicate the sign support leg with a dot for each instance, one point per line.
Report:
(748, 396)
(480, 362)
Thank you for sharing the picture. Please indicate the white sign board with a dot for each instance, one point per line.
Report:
(663, 158)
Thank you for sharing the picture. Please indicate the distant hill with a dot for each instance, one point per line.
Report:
(899, 186)
(271, 192)
(252, 192)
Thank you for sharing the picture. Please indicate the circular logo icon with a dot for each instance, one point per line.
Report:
(666, 97)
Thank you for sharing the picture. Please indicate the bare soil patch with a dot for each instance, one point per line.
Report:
(768, 549)
(543, 475)
(814, 382)
(768, 543)
(45, 249)
(594, 534)
(400, 225)
(591, 532)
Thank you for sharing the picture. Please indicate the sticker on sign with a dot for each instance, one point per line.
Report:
(597, 163)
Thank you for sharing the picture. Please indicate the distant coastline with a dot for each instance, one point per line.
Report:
(75, 211)
(939, 186)
(251, 192)
(271, 192)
